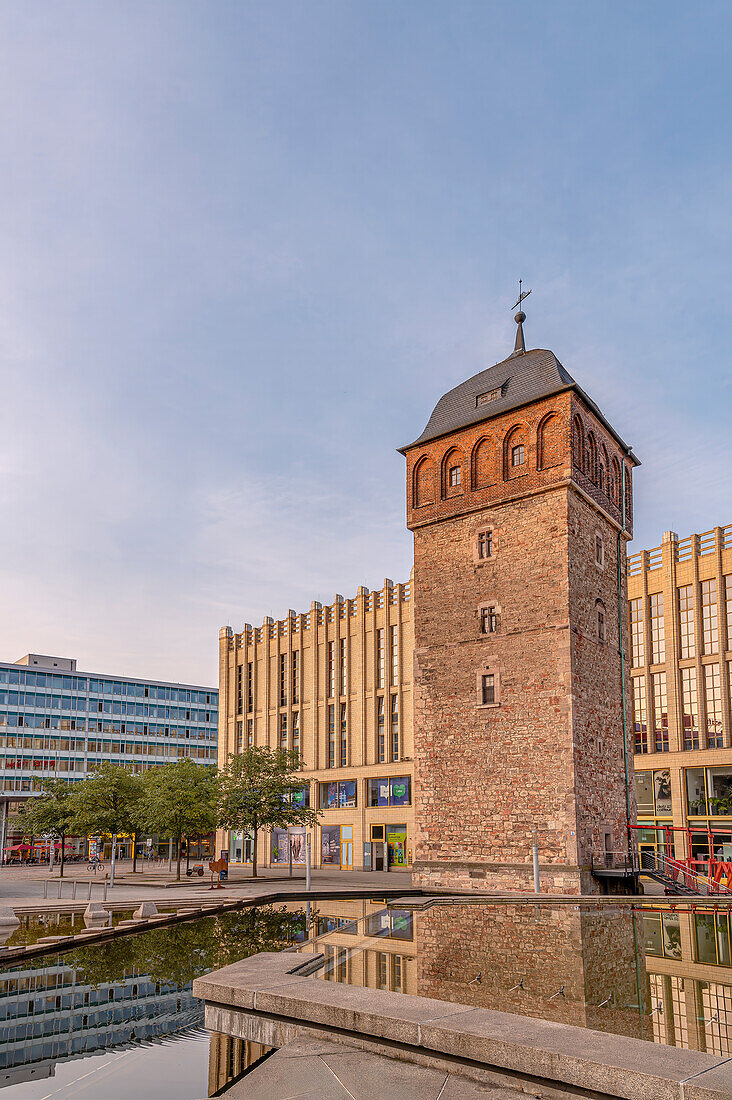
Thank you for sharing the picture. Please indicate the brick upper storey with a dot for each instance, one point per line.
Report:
(529, 401)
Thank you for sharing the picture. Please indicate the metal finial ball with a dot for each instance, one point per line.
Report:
(520, 317)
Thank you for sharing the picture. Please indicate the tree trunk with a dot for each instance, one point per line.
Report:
(134, 852)
(114, 860)
(188, 855)
(177, 854)
(254, 852)
(63, 849)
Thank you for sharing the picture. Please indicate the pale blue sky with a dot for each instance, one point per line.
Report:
(245, 247)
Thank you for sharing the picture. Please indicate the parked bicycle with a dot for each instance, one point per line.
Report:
(95, 865)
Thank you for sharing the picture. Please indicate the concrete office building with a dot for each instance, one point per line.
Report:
(58, 722)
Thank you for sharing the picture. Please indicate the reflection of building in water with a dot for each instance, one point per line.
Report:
(688, 959)
(526, 954)
(228, 1057)
(48, 1014)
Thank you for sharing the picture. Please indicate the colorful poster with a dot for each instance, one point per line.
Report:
(347, 793)
(297, 843)
(400, 791)
(331, 801)
(396, 843)
(662, 782)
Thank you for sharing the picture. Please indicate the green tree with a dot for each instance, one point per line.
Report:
(178, 800)
(51, 812)
(107, 801)
(257, 790)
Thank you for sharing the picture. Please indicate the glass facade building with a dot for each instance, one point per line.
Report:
(57, 722)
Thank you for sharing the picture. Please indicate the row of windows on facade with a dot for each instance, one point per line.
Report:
(74, 705)
(651, 712)
(594, 461)
(104, 725)
(57, 682)
(482, 463)
(708, 792)
(72, 764)
(337, 740)
(90, 744)
(336, 671)
(686, 616)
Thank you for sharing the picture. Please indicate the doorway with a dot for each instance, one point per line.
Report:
(346, 847)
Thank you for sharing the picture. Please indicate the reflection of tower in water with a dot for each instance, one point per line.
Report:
(578, 965)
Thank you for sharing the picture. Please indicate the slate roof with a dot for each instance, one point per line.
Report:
(522, 378)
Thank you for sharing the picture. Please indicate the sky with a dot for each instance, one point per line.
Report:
(245, 247)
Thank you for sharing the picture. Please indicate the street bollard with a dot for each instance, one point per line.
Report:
(45, 888)
(104, 898)
(88, 896)
(73, 890)
(60, 884)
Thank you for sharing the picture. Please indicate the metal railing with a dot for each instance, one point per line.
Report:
(74, 883)
(678, 873)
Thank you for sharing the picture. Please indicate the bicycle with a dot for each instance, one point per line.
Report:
(95, 865)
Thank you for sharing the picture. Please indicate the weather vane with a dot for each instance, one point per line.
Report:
(522, 294)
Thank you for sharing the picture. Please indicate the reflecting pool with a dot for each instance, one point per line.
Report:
(119, 1019)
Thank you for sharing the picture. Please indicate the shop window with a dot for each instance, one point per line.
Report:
(330, 844)
(390, 791)
(696, 792)
(712, 938)
(334, 796)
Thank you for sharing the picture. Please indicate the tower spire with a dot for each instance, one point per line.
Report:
(519, 347)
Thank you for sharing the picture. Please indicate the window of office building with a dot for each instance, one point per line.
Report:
(728, 605)
(283, 731)
(395, 754)
(239, 736)
(394, 630)
(714, 946)
(640, 714)
(295, 677)
(710, 628)
(686, 621)
(380, 736)
(342, 665)
(637, 647)
(337, 796)
(296, 731)
(331, 669)
(709, 792)
(653, 793)
(344, 737)
(380, 658)
(250, 733)
(283, 679)
(713, 699)
(689, 708)
(239, 688)
(658, 630)
(660, 711)
(250, 688)
(331, 737)
(393, 791)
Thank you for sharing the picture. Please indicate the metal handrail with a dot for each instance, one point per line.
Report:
(680, 873)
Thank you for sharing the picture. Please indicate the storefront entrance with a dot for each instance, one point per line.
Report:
(240, 848)
(346, 848)
(396, 845)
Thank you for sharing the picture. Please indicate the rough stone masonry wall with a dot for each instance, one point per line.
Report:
(485, 777)
(596, 678)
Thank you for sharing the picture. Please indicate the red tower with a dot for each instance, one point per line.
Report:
(519, 497)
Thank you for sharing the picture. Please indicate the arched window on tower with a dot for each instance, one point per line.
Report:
(452, 473)
(549, 442)
(591, 470)
(602, 469)
(615, 487)
(424, 483)
(578, 443)
(482, 464)
(516, 452)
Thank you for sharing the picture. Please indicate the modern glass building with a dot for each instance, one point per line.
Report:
(58, 722)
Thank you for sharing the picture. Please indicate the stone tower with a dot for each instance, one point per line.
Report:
(519, 497)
